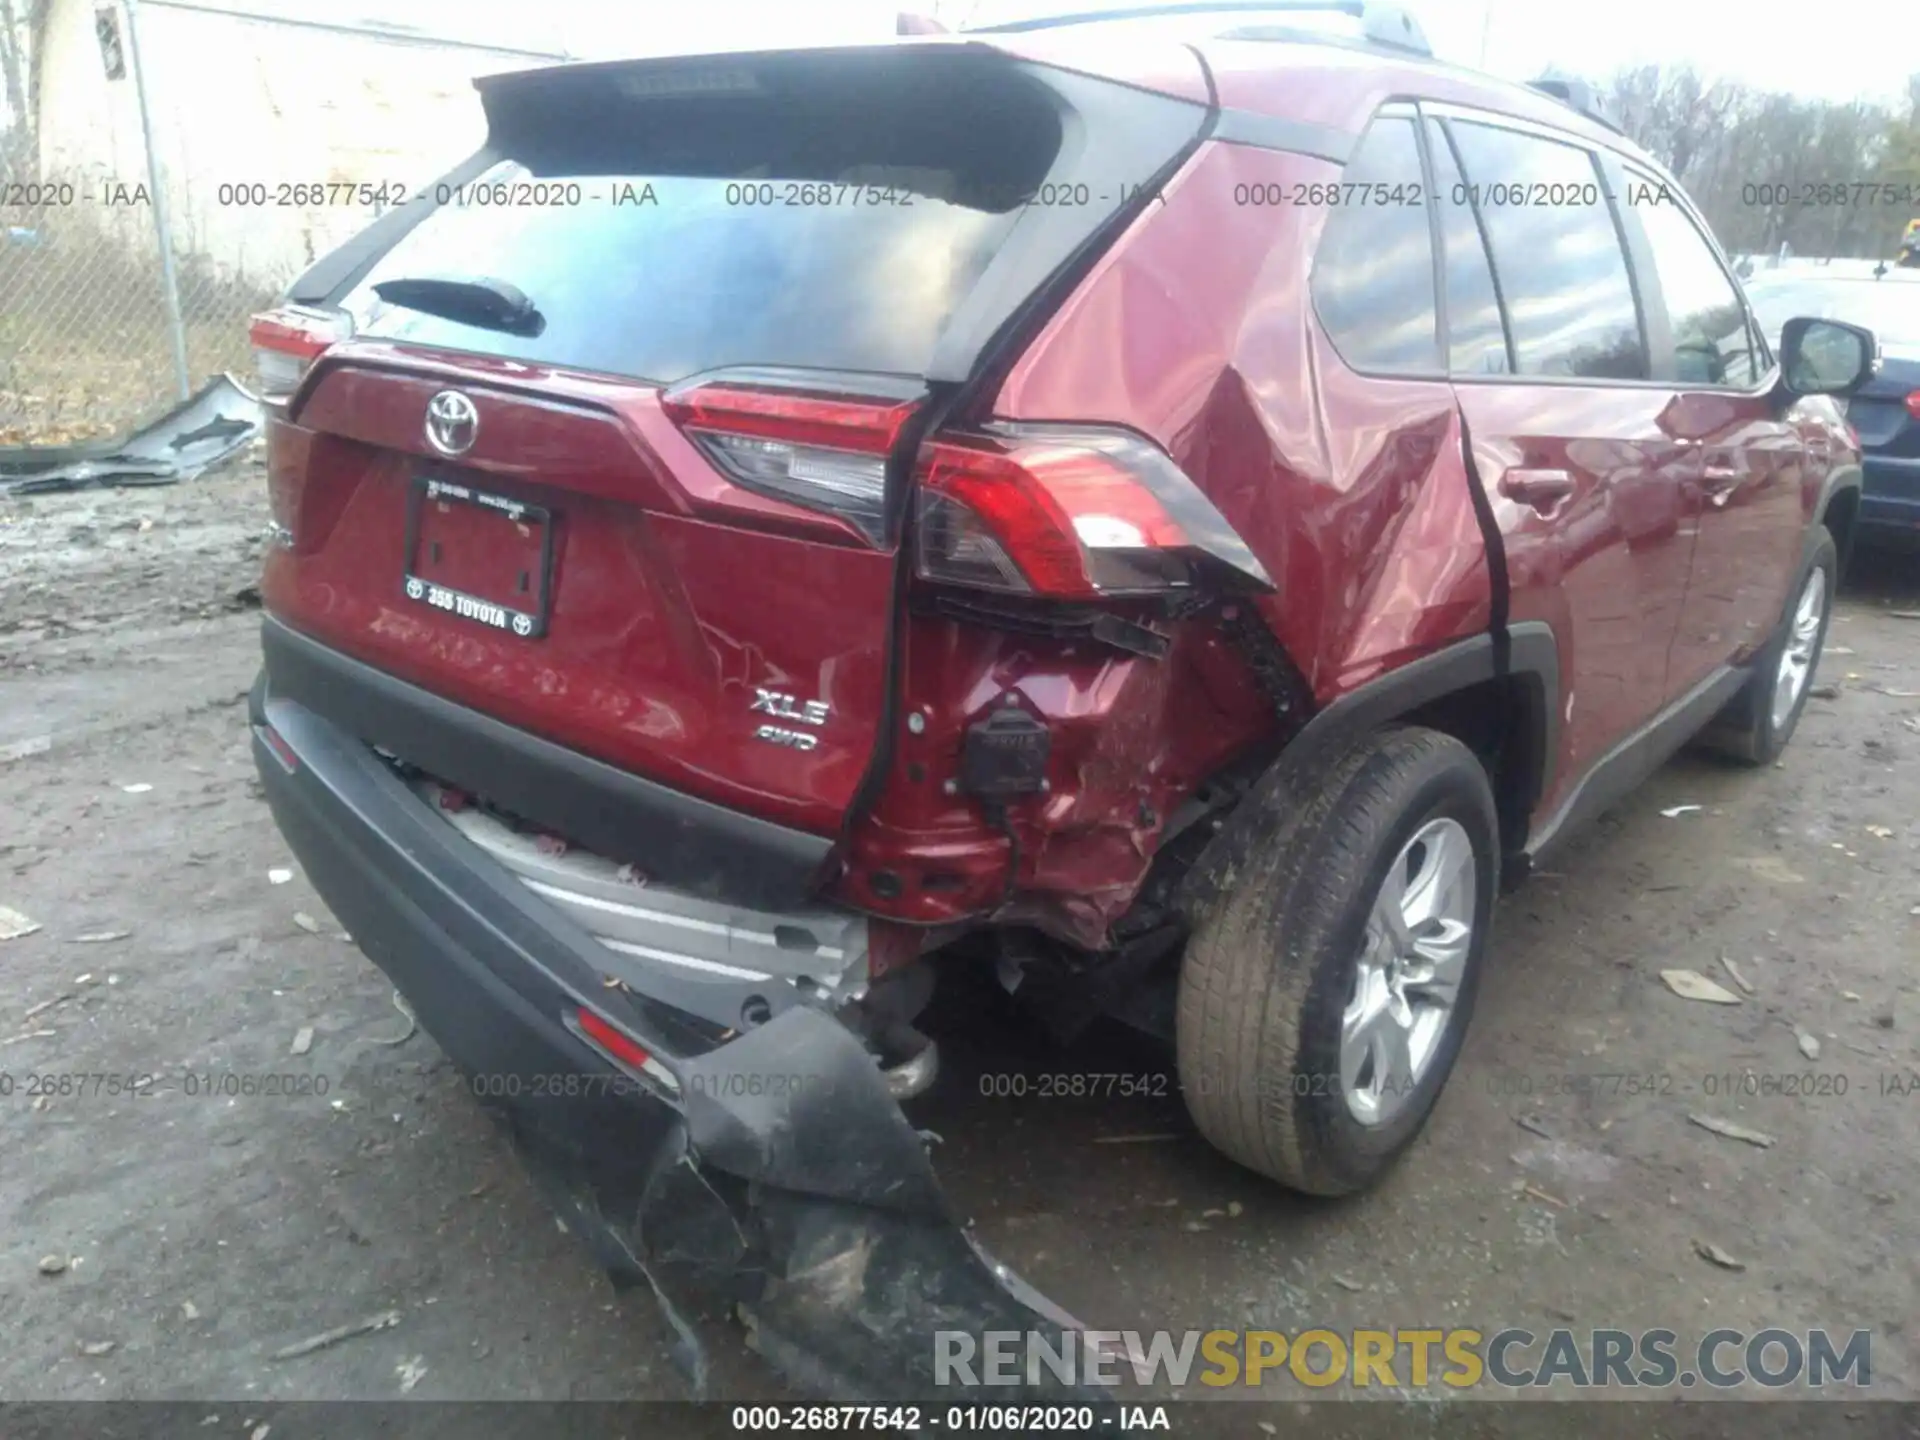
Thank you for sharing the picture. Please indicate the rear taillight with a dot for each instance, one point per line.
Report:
(285, 344)
(820, 452)
(1069, 513)
(1913, 403)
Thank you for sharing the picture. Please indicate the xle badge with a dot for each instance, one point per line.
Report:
(787, 707)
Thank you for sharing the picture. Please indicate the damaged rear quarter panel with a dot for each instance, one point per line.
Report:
(1351, 489)
(1130, 737)
(1197, 330)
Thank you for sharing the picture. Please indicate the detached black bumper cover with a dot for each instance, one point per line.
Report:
(782, 1182)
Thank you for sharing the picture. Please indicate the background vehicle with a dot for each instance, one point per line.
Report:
(739, 556)
(1885, 412)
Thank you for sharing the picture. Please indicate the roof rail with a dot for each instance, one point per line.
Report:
(1581, 96)
(1380, 24)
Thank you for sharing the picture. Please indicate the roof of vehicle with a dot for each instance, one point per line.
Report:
(1287, 71)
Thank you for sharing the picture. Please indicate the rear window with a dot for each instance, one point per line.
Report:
(671, 222)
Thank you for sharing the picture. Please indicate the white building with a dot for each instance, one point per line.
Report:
(248, 96)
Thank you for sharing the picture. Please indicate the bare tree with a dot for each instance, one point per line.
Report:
(1773, 168)
(20, 23)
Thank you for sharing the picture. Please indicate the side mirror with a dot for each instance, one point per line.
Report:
(1826, 357)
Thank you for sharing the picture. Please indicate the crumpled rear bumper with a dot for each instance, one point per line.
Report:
(773, 1178)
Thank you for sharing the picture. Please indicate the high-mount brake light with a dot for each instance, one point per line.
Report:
(820, 452)
(285, 344)
(1069, 513)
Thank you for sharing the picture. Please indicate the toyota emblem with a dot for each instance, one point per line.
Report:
(452, 423)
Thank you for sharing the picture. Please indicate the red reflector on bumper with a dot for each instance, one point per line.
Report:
(616, 1044)
(282, 751)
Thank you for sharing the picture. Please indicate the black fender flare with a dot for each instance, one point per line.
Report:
(1839, 480)
(1525, 652)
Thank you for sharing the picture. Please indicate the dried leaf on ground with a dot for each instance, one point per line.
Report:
(1692, 985)
(1732, 1131)
(1714, 1255)
(13, 924)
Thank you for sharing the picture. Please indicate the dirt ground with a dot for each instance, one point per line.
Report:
(201, 1232)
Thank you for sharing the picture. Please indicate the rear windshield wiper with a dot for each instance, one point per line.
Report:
(489, 304)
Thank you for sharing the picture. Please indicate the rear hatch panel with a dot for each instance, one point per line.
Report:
(872, 219)
(660, 626)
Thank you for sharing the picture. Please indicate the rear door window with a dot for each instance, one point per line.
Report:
(1558, 254)
(1373, 269)
(1476, 330)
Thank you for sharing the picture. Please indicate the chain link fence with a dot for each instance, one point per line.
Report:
(106, 321)
(89, 344)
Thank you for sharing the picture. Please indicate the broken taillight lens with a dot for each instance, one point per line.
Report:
(285, 344)
(823, 453)
(1069, 513)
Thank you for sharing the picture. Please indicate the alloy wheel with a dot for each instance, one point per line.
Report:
(1797, 657)
(1407, 980)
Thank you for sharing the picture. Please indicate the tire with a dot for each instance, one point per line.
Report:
(1749, 730)
(1270, 974)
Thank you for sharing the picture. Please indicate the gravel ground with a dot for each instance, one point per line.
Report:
(201, 1232)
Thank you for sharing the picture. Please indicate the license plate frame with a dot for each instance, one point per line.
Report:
(522, 623)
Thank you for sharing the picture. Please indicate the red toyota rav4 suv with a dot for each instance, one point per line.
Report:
(1177, 521)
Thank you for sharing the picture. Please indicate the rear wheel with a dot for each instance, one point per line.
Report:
(1757, 724)
(1323, 998)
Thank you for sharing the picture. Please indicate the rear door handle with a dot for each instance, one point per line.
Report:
(1542, 489)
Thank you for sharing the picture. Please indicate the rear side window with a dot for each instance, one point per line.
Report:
(1373, 270)
(1476, 330)
(1562, 268)
(1711, 342)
